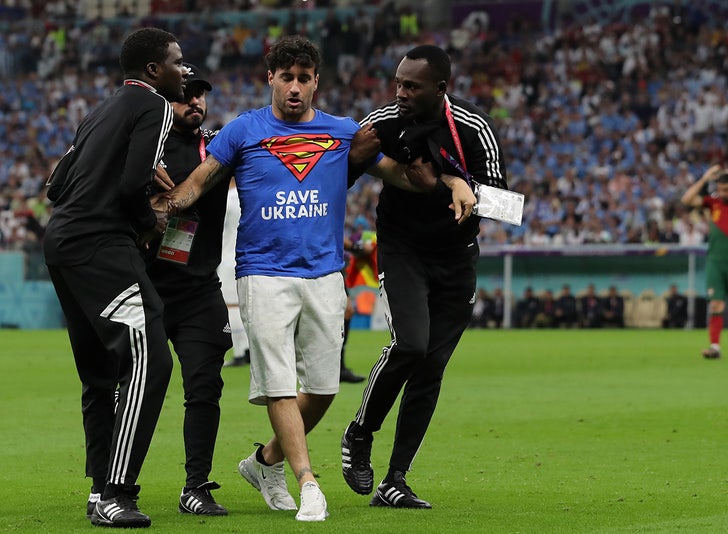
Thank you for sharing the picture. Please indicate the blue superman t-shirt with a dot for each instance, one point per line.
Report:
(291, 180)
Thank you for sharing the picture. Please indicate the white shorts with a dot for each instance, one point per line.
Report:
(296, 330)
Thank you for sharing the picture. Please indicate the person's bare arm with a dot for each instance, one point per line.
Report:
(205, 176)
(183, 195)
(420, 178)
(417, 176)
(162, 179)
(463, 198)
(692, 197)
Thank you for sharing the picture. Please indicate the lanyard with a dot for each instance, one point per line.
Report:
(203, 154)
(139, 84)
(455, 163)
(460, 166)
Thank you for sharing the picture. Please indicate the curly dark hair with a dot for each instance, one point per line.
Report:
(144, 46)
(293, 50)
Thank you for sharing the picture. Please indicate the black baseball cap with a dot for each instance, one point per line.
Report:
(195, 75)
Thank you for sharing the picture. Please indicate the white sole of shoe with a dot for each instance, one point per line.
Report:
(247, 471)
(320, 517)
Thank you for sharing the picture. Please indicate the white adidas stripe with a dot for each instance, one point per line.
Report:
(112, 510)
(345, 457)
(132, 411)
(193, 503)
(128, 308)
(486, 136)
(390, 111)
(381, 363)
(393, 495)
(164, 132)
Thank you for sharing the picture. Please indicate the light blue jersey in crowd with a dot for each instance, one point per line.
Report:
(292, 181)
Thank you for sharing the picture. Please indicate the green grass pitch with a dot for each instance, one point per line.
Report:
(600, 431)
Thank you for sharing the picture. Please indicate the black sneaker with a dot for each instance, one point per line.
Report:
(395, 492)
(121, 511)
(356, 451)
(199, 501)
(347, 375)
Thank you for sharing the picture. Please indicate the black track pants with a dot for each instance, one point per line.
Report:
(428, 304)
(197, 328)
(115, 326)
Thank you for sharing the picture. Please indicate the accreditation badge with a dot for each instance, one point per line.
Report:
(177, 240)
(499, 204)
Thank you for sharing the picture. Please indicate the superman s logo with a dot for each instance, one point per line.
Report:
(300, 153)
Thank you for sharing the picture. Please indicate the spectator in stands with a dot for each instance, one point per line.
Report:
(569, 131)
(332, 38)
(690, 234)
(613, 308)
(546, 316)
(499, 305)
(668, 234)
(527, 307)
(565, 314)
(536, 235)
(677, 309)
(590, 309)
(482, 309)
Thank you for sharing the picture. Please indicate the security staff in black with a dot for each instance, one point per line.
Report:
(182, 266)
(113, 312)
(426, 262)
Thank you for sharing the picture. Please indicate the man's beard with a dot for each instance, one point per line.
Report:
(193, 122)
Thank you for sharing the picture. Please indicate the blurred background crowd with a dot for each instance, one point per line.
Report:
(605, 122)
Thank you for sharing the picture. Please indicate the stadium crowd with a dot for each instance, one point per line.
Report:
(604, 124)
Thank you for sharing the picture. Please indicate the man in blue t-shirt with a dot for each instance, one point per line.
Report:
(290, 163)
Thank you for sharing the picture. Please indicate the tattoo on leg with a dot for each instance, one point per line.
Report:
(302, 472)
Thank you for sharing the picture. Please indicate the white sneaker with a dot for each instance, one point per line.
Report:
(313, 503)
(268, 480)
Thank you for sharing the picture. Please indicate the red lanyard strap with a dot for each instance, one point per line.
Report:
(454, 133)
(203, 154)
(139, 84)
(462, 167)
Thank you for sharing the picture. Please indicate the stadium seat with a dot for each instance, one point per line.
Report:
(648, 311)
(660, 310)
(629, 304)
